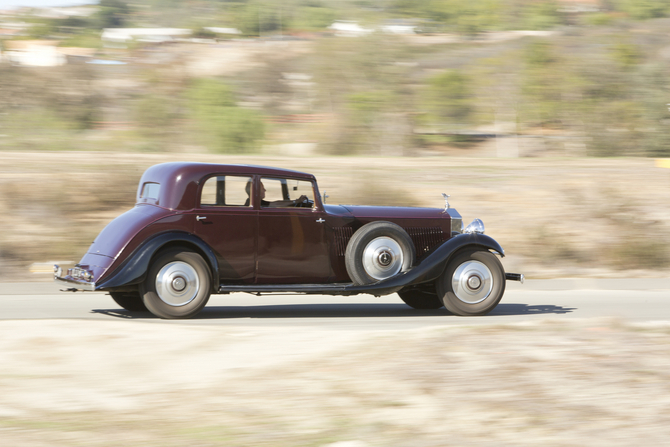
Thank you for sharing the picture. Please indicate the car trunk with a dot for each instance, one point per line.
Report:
(115, 236)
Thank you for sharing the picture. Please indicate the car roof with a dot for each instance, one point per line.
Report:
(179, 180)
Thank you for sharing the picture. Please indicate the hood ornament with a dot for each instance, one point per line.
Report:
(446, 202)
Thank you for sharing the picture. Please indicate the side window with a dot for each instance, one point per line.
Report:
(276, 193)
(299, 188)
(226, 190)
(273, 190)
(150, 191)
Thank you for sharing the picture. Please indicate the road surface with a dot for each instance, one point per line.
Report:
(630, 300)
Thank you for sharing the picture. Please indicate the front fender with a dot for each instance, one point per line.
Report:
(134, 269)
(432, 266)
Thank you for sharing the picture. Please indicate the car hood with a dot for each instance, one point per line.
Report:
(388, 212)
(116, 235)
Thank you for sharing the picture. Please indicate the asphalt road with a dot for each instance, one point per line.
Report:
(631, 300)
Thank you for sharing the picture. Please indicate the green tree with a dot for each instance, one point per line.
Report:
(202, 33)
(622, 105)
(42, 30)
(364, 83)
(259, 17)
(112, 13)
(154, 115)
(449, 99)
(224, 125)
(365, 116)
(311, 17)
(475, 16)
(626, 54)
(542, 15)
(543, 83)
(644, 9)
(653, 91)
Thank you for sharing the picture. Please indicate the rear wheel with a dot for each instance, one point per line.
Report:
(421, 298)
(129, 301)
(178, 285)
(472, 284)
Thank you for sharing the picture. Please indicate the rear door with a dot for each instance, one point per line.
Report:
(228, 223)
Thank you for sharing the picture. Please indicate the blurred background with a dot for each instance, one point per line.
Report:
(547, 119)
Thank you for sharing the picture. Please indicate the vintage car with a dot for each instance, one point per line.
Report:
(200, 228)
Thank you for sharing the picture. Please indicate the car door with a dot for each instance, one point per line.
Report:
(292, 244)
(227, 222)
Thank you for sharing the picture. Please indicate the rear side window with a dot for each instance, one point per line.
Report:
(150, 191)
(226, 190)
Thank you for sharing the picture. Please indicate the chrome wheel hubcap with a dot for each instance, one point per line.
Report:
(382, 258)
(177, 283)
(472, 282)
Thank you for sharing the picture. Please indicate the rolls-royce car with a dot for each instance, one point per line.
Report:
(199, 229)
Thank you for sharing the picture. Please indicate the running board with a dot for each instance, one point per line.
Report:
(326, 289)
(331, 289)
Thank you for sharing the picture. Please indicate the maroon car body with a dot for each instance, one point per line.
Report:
(254, 245)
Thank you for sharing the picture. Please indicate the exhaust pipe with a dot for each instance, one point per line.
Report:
(515, 277)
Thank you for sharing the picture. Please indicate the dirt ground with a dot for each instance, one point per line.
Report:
(555, 217)
(233, 57)
(574, 382)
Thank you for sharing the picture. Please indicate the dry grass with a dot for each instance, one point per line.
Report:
(542, 383)
(554, 217)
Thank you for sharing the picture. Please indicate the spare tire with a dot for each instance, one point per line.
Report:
(378, 251)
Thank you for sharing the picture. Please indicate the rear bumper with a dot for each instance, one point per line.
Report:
(72, 282)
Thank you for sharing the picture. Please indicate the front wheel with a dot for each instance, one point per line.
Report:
(178, 285)
(472, 284)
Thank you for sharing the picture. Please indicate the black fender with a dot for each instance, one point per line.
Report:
(134, 269)
(432, 266)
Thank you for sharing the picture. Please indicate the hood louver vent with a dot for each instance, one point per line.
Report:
(425, 239)
(342, 236)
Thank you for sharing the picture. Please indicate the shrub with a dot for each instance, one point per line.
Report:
(225, 126)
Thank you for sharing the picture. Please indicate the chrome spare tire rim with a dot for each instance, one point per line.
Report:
(382, 258)
(472, 282)
(177, 283)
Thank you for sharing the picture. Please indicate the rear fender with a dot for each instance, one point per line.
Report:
(432, 266)
(134, 269)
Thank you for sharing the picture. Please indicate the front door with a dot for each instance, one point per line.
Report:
(292, 244)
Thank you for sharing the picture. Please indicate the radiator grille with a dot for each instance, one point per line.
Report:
(426, 238)
(342, 236)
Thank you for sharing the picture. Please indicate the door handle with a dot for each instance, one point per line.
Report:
(320, 220)
(199, 218)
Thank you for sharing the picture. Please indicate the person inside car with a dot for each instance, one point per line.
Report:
(277, 203)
